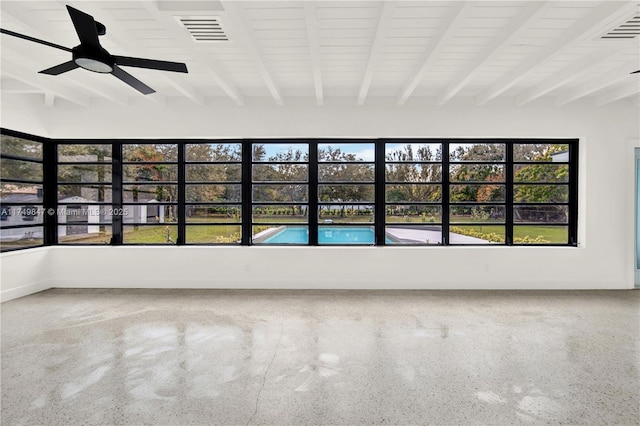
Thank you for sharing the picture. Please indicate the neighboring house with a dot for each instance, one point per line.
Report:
(76, 215)
(22, 207)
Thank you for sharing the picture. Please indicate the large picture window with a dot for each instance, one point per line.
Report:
(391, 192)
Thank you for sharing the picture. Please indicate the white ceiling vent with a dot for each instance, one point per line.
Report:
(628, 29)
(204, 28)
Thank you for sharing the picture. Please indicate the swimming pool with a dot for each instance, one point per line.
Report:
(326, 235)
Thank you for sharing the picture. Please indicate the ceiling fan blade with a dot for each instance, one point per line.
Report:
(635, 72)
(59, 69)
(37, 40)
(151, 64)
(85, 27)
(132, 81)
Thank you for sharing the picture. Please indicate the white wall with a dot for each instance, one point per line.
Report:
(605, 221)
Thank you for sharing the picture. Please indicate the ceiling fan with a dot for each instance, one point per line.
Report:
(90, 55)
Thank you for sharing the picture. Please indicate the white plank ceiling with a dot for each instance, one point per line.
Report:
(398, 50)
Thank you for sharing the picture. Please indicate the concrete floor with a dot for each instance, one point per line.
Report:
(81, 357)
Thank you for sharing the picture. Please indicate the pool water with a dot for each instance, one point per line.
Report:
(326, 235)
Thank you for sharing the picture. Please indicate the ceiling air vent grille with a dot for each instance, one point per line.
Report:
(628, 29)
(204, 28)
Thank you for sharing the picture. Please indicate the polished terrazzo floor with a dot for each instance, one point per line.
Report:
(133, 357)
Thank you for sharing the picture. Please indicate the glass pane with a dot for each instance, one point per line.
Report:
(84, 214)
(155, 234)
(346, 152)
(280, 153)
(20, 193)
(85, 193)
(477, 152)
(413, 173)
(84, 234)
(356, 235)
(407, 213)
(150, 173)
(281, 193)
(476, 173)
(21, 237)
(480, 214)
(149, 193)
(532, 234)
(212, 152)
(541, 214)
(12, 145)
(89, 153)
(84, 173)
(541, 173)
(476, 193)
(342, 193)
(213, 234)
(25, 214)
(263, 234)
(346, 213)
(216, 214)
(540, 152)
(346, 172)
(21, 170)
(413, 193)
(280, 173)
(476, 234)
(541, 193)
(213, 193)
(413, 152)
(213, 172)
(280, 213)
(150, 152)
(413, 234)
(149, 213)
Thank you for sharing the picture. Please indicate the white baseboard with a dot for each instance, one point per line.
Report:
(14, 293)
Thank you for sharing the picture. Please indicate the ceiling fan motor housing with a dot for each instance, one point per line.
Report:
(93, 60)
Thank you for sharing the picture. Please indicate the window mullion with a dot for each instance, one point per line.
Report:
(445, 192)
(50, 192)
(313, 193)
(508, 170)
(182, 227)
(379, 199)
(247, 212)
(116, 193)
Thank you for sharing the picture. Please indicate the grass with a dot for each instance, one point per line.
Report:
(224, 232)
(552, 234)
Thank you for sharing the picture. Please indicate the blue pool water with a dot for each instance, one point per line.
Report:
(326, 235)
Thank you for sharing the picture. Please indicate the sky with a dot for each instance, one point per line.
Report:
(364, 151)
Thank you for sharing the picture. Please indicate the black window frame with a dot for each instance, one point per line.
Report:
(29, 211)
(246, 163)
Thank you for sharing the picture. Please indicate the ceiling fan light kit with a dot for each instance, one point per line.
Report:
(103, 63)
(91, 56)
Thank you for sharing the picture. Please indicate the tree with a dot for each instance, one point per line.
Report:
(539, 172)
(412, 176)
(336, 171)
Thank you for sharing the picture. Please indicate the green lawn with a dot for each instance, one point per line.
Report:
(550, 234)
(227, 233)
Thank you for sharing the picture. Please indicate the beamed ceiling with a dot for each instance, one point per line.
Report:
(436, 51)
